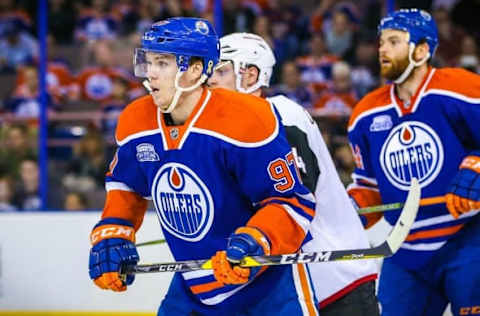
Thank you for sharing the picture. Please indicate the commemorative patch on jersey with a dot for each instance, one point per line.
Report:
(412, 149)
(146, 152)
(183, 202)
(381, 123)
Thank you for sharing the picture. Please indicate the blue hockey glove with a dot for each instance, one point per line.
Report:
(463, 194)
(246, 241)
(113, 245)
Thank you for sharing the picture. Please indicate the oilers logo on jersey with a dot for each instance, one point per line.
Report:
(183, 202)
(412, 149)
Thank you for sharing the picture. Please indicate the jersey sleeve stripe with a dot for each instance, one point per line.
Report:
(301, 221)
(434, 233)
(206, 287)
(423, 246)
(305, 210)
(115, 185)
(304, 290)
(356, 177)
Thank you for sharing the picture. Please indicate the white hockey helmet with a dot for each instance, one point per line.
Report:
(244, 50)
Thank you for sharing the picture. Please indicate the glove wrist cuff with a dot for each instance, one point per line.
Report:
(472, 163)
(112, 231)
(257, 235)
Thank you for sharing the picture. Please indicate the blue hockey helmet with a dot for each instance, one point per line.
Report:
(182, 37)
(418, 23)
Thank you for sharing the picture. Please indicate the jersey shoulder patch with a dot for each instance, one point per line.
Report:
(376, 99)
(456, 80)
(139, 116)
(237, 116)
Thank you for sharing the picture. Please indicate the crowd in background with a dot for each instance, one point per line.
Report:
(326, 61)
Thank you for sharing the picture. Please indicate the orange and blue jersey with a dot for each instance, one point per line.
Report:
(427, 139)
(228, 165)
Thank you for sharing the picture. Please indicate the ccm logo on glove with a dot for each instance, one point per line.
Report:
(471, 162)
(112, 231)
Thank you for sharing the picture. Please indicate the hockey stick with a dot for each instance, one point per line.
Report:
(387, 248)
(396, 206)
(151, 242)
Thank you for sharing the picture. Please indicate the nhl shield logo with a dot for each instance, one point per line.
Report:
(183, 202)
(412, 149)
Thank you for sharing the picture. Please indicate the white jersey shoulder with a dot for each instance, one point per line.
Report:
(292, 113)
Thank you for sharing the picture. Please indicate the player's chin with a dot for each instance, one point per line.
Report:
(388, 72)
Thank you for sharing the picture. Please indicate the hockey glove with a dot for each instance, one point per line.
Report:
(246, 241)
(463, 194)
(112, 246)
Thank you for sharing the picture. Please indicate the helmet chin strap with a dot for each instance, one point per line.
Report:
(178, 89)
(411, 65)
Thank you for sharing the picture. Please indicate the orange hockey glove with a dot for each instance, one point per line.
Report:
(246, 241)
(112, 246)
(464, 191)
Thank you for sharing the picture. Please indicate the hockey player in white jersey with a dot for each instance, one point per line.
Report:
(342, 288)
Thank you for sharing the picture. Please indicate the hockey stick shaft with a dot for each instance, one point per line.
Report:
(151, 242)
(396, 206)
(389, 247)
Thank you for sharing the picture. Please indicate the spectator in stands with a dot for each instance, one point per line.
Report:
(340, 99)
(61, 21)
(86, 170)
(364, 67)
(26, 196)
(25, 100)
(59, 77)
(237, 17)
(96, 22)
(12, 12)
(112, 107)
(292, 87)
(339, 37)
(75, 201)
(144, 15)
(6, 194)
(95, 83)
(469, 58)
(316, 67)
(16, 48)
(449, 36)
(16, 145)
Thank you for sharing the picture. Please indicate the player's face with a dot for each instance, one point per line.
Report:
(223, 77)
(393, 53)
(161, 72)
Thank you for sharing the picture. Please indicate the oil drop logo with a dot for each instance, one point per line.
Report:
(412, 149)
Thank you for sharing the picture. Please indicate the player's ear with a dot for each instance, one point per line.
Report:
(251, 76)
(195, 69)
(421, 50)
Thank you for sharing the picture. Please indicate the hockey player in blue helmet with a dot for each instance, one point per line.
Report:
(415, 27)
(222, 179)
(423, 125)
(183, 40)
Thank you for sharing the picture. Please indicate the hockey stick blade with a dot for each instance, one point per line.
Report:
(386, 249)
